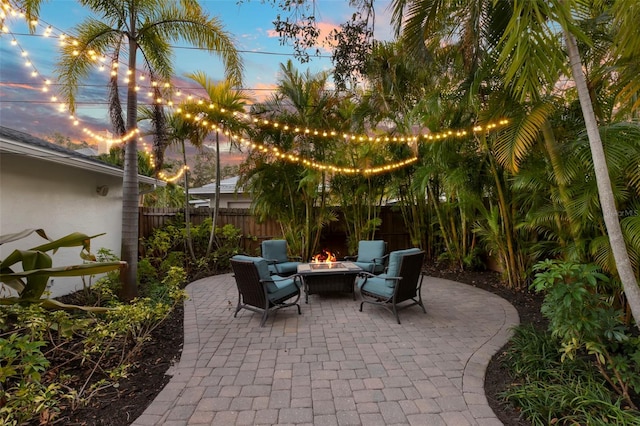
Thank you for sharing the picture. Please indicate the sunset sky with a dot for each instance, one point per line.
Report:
(24, 106)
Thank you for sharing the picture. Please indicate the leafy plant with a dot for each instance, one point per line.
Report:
(23, 396)
(550, 390)
(566, 400)
(532, 354)
(581, 316)
(33, 340)
(165, 248)
(37, 266)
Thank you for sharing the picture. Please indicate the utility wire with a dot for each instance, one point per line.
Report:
(253, 52)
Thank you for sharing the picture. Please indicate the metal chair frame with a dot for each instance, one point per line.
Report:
(253, 294)
(408, 286)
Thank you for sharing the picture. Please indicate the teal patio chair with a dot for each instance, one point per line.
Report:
(371, 256)
(261, 292)
(276, 253)
(401, 282)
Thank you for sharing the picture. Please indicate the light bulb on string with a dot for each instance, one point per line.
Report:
(316, 132)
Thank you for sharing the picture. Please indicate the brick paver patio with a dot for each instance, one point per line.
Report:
(334, 365)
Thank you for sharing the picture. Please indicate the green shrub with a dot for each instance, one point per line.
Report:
(582, 318)
(167, 248)
(584, 369)
(23, 396)
(570, 400)
(106, 344)
(229, 238)
(532, 354)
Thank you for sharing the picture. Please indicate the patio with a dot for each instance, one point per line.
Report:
(333, 365)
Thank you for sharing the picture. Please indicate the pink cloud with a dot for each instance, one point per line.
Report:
(262, 91)
(22, 86)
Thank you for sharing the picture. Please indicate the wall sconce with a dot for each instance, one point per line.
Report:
(102, 190)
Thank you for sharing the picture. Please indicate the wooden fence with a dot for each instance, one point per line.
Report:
(333, 237)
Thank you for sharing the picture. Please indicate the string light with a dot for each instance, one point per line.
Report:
(65, 39)
(175, 177)
(99, 59)
(356, 137)
(295, 158)
(124, 138)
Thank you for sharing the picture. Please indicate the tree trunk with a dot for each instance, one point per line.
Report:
(187, 207)
(130, 182)
(216, 206)
(605, 191)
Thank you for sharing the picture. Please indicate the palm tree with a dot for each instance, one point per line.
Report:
(532, 59)
(176, 130)
(227, 103)
(302, 100)
(126, 28)
(397, 87)
(530, 28)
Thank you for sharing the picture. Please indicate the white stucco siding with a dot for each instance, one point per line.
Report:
(59, 199)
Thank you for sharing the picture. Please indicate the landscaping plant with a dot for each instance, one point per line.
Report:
(44, 342)
(166, 248)
(42, 350)
(37, 266)
(582, 316)
(558, 383)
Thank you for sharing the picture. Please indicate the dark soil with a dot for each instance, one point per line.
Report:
(122, 405)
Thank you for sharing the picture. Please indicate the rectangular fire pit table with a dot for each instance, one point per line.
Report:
(328, 277)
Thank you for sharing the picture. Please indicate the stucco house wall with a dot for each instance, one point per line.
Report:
(48, 187)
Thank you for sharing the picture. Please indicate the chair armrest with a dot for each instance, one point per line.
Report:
(365, 274)
(380, 260)
(296, 258)
(271, 261)
(297, 280)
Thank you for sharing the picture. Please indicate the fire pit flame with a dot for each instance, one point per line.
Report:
(325, 256)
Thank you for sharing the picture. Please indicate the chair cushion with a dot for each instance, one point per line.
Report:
(261, 264)
(365, 266)
(393, 269)
(282, 287)
(275, 250)
(285, 268)
(376, 285)
(369, 250)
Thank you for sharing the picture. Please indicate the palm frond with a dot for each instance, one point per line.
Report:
(94, 38)
(515, 142)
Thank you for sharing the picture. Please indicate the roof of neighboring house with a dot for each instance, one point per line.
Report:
(227, 186)
(89, 152)
(14, 141)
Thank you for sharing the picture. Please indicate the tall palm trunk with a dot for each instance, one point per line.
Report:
(216, 205)
(605, 192)
(507, 216)
(551, 146)
(187, 207)
(130, 183)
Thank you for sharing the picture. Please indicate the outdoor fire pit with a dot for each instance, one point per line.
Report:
(328, 277)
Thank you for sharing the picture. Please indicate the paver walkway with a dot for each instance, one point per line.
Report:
(334, 365)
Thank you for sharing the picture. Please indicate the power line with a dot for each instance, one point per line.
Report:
(29, 83)
(253, 52)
